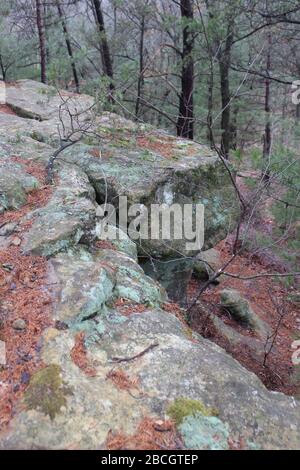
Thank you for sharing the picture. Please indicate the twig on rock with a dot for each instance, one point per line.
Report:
(128, 359)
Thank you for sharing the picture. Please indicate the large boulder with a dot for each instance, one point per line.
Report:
(104, 276)
(34, 100)
(122, 158)
(67, 407)
(241, 310)
(206, 263)
(192, 174)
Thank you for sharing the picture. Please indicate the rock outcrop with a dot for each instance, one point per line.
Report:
(79, 410)
(122, 158)
(15, 183)
(108, 314)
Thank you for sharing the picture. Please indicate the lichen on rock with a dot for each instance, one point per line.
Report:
(47, 391)
(200, 432)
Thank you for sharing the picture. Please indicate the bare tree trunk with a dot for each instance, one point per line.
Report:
(68, 43)
(233, 127)
(210, 136)
(104, 48)
(185, 121)
(267, 139)
(141, 69)
(297, 113)
(3, 70)
(42, 39)
(224, 58)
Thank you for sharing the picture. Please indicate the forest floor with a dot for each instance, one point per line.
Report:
(277, 372)
(268, 297)
(24, 296)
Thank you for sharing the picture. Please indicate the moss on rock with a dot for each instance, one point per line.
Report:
(182, 407)
(47, 392)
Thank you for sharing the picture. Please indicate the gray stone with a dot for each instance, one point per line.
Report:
(15, 183)
(204, 433)
(206, 263)
(242, 312)
(256, 346)
(131, 282)
(8, 229)
(83, 286)
(35, 100)
(67, 407)
(68, 217)
(87, 283)
(154, 179)
(87, 408)
(19, 324)
(121, 242)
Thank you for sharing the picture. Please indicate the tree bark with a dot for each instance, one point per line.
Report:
(140, 83)
(267, 139)
(210, 84)
(104, 48)
(234, 127)
(68, 44)
(185, 121)
(42, 39)
(3, 69)
(224, 58)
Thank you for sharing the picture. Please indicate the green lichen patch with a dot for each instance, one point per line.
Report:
(47, 392)
(201, 432)
(182, 407)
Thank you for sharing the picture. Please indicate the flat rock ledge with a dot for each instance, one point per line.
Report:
(79, 410)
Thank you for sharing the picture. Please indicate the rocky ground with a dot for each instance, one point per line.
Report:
(97, 356)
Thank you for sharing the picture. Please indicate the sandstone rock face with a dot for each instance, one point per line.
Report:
(102, 296)
(103, 277)
(81, 410)
(33, 100)
(122, 158)
(137, 161)
(15, 183)
(190, 176)
(68, 217)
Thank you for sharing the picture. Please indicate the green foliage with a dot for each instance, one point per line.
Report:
(256, 158)
(237, 155)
